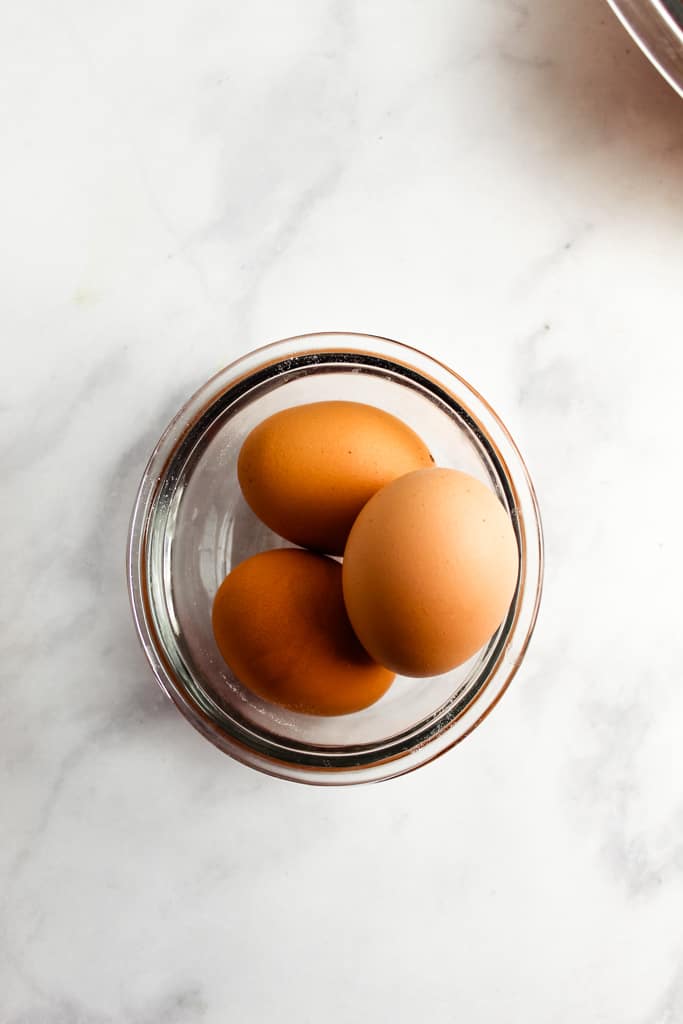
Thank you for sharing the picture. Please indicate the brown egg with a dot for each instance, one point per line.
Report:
(280, 623)
(430, 570)
(307, 471)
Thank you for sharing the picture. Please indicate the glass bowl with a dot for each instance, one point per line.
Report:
(191, 525)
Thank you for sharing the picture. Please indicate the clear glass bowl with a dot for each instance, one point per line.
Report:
(191, 525)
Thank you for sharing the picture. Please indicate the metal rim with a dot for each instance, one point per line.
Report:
(657, 28)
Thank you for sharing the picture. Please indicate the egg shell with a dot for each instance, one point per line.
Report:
(307, 471)
(280, 624)
(430, 570)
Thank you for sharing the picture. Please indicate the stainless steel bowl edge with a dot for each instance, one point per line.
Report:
(657, 28)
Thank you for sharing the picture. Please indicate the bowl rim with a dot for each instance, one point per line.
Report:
(524, 611)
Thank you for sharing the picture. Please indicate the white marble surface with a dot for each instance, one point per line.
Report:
(499, 183)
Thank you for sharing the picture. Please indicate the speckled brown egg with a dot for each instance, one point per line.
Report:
(280, 624)
(307, 471)
(430, 570)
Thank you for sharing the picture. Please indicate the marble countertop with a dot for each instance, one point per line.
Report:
(498, 183)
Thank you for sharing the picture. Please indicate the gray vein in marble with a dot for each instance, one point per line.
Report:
(274, 246)
(610, 779)
(182, 246)
(93, 558)
(669, 1009)
(551, 261)
(262, 217)
(59, 1011)
(51, 415)
(101, 563)
(518, 9)
(60, 778)
(182, 1006)
(288, 230)
(545, 385)
(520, 61)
